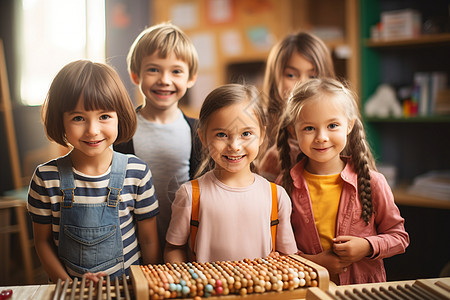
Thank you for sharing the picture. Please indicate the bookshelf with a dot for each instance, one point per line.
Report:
(418, 119)
(414, 145)
(424, 40)
(406, 140)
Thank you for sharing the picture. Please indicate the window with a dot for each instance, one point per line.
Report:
(53, 33)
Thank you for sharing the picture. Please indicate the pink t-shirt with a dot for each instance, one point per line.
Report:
(234, 222)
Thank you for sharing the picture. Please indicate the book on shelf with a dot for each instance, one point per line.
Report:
(421, 91)
(427, 89)
(443, 102)
(433, 184)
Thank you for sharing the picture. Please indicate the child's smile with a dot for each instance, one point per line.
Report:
(321, 131)
(233, 137)
(234, 158)
(322, 149)
(163, 93)
(163, 80)
(90, 132)
(94, 143)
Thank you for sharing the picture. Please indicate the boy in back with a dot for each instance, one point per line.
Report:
(163, 62)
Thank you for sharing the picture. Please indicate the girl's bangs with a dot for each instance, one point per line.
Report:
(98, 95)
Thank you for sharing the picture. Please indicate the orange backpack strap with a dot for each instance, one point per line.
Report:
(195, 210)
(274, 215)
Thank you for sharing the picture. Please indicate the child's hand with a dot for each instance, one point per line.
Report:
(95, 277)
(274, 254)
(329, 260)
(351, 248)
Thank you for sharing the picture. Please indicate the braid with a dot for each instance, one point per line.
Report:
(274, 114)
(284, 152)
(357, 147)
(363, 161)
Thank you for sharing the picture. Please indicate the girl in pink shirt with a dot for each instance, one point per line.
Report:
(344, 216)
(235, 203)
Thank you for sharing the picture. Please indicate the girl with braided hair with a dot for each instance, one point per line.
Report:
(298, 57)
(343, 215)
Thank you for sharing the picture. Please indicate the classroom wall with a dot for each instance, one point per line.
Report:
(125, 20)
(425, 225)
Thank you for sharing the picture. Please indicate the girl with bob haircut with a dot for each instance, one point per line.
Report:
(93, 210)
(232, 205)
(101, 88)
(343, 211)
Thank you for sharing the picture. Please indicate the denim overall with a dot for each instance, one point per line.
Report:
(90, 239)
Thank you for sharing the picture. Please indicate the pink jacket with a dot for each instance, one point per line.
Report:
(385, 231)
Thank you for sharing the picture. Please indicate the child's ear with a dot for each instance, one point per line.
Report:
(191, 81)
(350, 126)
(134, 78)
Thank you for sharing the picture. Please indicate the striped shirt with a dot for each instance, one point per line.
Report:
(137, 201)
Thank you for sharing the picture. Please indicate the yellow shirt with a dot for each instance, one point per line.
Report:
(325, 192)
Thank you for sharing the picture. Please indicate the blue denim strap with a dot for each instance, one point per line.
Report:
(67, 182)
(117, 177)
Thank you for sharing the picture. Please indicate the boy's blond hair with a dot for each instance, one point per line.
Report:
(163, 38)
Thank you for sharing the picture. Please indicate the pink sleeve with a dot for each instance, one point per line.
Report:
(392, 238)
(285, 240)
(179, 227)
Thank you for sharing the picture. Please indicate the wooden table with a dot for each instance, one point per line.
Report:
(26, 292)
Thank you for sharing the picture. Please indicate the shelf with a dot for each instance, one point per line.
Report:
(403, 197)
(440, 38)
(425, 119)
(334, 43)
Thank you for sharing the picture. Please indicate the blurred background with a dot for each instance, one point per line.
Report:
(396, 43)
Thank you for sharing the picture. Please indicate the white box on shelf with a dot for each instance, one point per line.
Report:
(404, 23)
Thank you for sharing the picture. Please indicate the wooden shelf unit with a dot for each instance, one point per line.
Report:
(423, 40)
(403, 197)
(414, 145)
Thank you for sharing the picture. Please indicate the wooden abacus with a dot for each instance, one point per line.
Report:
(429, 289)
(138, 287)
(284, 277)
(104, 289)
